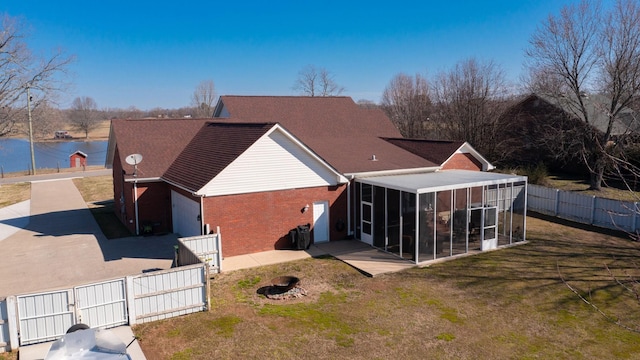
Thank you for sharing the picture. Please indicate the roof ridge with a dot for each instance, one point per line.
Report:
(289, 96)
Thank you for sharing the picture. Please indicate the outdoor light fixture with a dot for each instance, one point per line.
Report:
(304, 209)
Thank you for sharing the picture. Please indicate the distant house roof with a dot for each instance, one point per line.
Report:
(159, 141)
(336, 128)
(597, 110)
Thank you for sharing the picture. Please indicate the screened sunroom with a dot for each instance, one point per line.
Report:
(422, 217)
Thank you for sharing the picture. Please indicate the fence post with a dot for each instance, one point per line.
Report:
(593, 210)
(557, 205)
(131, 299)
(634, 221)
(12, 319)
(219, 255)
(207, 277)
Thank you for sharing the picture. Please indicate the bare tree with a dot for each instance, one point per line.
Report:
(593, 50)
(314, 81)
(407, 102)
(469, 99)
(84, 114)
(20, 69)
(542, 80)
(367, 104)
(203, 99)
(46, 120)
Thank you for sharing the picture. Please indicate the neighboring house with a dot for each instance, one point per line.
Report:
(548, 129)
(266, 164)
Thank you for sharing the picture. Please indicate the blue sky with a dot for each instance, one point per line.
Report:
(146, 54)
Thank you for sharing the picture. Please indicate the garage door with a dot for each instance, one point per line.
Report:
(186, 215)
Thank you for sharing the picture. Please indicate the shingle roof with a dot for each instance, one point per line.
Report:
(336, 128)
(597, 109)
(437, 151)
(211, 150)
(159, 141)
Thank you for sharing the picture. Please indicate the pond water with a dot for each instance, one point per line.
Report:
(15, 154)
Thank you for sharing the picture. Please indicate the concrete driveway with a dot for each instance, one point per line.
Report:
(60, 245)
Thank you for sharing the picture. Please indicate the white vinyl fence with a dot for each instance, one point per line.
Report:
(33, 318)
(168, 293)
(606, 213)
(205, 248)
(5, 331)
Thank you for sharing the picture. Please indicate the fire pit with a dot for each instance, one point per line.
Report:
(284, 288)
(285, 283)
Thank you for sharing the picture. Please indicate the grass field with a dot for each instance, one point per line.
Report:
(506, 304)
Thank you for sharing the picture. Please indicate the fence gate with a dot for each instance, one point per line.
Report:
(45, 316)
(102, 305)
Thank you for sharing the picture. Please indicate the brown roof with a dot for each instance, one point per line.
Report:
(159, 141)
(336, 128)
(437, 151)
(213, 148)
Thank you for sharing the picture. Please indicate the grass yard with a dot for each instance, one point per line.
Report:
(616, 191)
(506, 304)
(14, 193)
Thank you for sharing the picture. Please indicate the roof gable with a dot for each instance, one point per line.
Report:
(336, 128)
(211, 150)
(247, 157)
(597, 109)
(437, 151)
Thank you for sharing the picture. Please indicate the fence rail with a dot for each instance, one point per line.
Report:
(592, 210)
(165, 294)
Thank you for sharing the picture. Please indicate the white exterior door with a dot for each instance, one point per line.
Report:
(186, 215)
(320, 222)
(489, 233)
(366, 226)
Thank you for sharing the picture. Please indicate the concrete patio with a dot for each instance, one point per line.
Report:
(368, 260)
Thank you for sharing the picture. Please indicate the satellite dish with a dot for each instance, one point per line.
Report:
(133, 159)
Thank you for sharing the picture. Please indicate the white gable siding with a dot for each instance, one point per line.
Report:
(274, 162)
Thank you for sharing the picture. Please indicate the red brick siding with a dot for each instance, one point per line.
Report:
(122, 194)
(154, 201)
(154, 206)
(256, 222)
(462, 162)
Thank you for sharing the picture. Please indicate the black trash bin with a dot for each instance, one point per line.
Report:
(293, 234)
(303, 237)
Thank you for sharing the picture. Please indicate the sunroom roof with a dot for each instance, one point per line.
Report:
(441, 180)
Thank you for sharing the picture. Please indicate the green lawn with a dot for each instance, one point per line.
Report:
(506, 304)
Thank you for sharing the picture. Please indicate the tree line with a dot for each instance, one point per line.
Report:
(585, 49)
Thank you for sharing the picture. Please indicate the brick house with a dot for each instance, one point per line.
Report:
(265, 164)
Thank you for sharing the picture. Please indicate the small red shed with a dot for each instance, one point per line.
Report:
(78, 159)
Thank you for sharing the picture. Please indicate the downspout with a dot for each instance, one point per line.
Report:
(416, 236)
(135, 202)
(202, 215)
(350, 179)
(349, 208)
